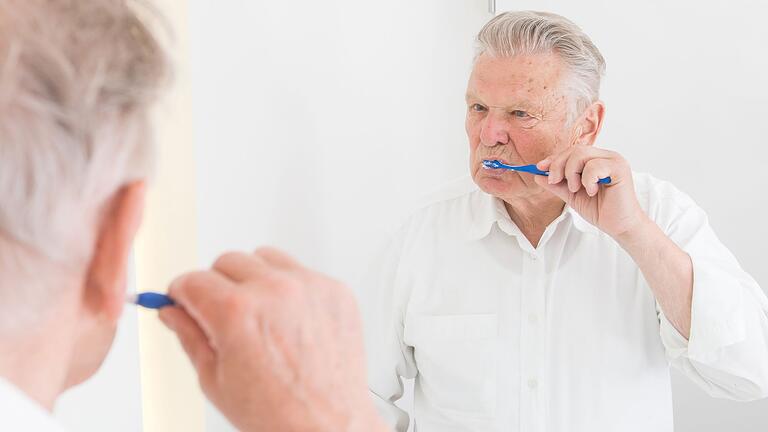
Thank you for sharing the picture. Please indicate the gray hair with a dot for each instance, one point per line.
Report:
(77, 81)
(529, 32)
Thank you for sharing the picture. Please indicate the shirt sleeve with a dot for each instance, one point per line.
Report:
(390, 360)
(727, 351)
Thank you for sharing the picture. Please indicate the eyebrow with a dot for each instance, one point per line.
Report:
(518, 105)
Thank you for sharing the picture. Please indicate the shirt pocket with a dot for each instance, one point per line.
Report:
(456, 359)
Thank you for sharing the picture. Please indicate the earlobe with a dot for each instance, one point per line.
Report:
(104, 289)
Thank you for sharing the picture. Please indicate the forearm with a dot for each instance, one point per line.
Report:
(667, 269)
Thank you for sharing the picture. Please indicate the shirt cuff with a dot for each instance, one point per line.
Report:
(717, 315)
(676, 344)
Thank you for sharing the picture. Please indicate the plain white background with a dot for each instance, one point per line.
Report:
(320, 124)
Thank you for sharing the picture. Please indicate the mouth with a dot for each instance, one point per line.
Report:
(489, 170)
(492, 164)
(489, 164)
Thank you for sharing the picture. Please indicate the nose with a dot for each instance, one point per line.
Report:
(494, 130)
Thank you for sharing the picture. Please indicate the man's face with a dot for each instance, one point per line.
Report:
(516, 113)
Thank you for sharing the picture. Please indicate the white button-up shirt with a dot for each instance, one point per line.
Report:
(564, 337)
(19, 413)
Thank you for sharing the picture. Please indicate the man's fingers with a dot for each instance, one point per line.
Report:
(193, 339)
(206, 297)
(556, 164)
(240, 266)
(210, 297)
(575, 165)
(277, 258)
(594, 170)
(568, 164)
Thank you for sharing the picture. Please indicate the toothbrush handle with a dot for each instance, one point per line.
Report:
(606, 180)
(152, 300)
(533, 170)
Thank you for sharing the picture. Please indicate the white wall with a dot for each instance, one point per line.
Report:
(319, 123)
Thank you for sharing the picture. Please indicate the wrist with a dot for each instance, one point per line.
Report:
(642, 230)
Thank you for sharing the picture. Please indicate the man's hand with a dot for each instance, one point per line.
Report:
(614, 209)
(277, 347)
(573, 176)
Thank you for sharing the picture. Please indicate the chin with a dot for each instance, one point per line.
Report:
(499, 186)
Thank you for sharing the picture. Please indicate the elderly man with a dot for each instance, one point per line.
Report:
(267, 336)
(531, 303)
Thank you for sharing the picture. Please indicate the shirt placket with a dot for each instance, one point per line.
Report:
(532, 343)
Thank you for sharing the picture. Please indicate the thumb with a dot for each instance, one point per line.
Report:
(560, 189)
(193, 340)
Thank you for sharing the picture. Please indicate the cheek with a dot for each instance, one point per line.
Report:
(534, 147)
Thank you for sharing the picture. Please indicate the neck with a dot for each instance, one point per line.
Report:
(36, 352)
(37, 367)
(533, 213)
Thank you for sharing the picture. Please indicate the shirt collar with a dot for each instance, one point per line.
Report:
(20, 412)
(487, 210)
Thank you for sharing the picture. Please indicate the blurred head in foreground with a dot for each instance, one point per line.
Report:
(78, 79)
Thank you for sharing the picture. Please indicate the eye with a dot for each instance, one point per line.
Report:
(477, 108)
(520, 114)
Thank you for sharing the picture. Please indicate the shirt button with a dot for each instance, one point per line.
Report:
(532, 384)
(534, 257)
(533, 318)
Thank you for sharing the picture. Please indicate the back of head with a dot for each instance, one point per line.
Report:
(530, 32)
(77, 81)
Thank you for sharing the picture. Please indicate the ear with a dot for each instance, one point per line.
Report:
(589, 124)
(104, 291)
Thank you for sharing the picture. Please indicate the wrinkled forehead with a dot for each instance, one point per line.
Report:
(533, 79)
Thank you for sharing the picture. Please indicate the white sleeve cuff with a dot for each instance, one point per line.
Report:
(676, 344)
(717, 312)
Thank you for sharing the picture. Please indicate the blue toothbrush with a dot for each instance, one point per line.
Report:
(151, 300)
(495, 164)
